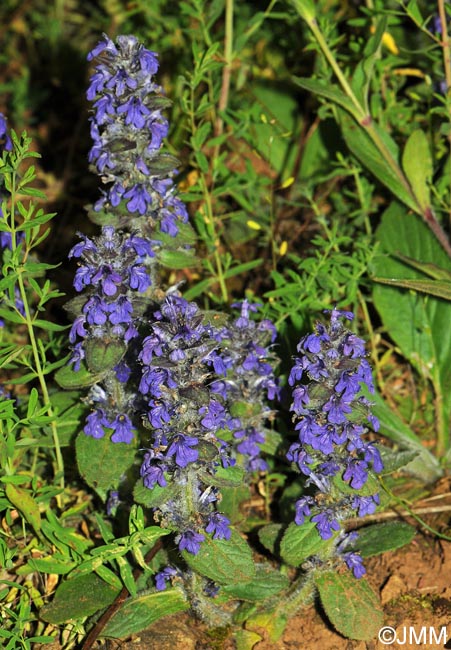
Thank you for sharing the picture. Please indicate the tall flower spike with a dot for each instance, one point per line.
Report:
(245, 365)
(116, 272)
(331, 417)
(186, 420)
(128, 128)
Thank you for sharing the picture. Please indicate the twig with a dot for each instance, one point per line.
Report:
(120, 598)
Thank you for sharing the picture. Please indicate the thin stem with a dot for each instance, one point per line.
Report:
(365, 121)
(208, 217)
(227, 70)
(445, 44)
(34, 346)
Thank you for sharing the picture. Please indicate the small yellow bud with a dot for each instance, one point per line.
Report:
(283, 248)
(254, 225)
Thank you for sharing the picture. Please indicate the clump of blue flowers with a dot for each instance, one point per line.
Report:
(246, 362)
(332, 417)
(116, 275)
(128, 129)
(186, 420)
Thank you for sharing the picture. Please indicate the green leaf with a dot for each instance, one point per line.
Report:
(224, 561)
(101, 462)
(25, 504)
(394, 460)
(301, 542)
(177, 259)
(413, 11)
(138, 613)
(232, 500)
(432, 270)
(418, 324)
(77, 598)
(51, 565)
(350, 604)
(70, 379)
(438, 288)
(267, 582)
(424, 465)
(227, 477)
(269, 536)
(388, 536)
(363, 72)
(326, 91)
(155, 497)
(102, 355)
(417, 165)
(305, 8)
(362, 146)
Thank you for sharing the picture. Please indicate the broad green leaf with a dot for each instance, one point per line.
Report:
(175, 259)
(226, 477)
(388, 536)
(363, 72)
(384, 166)
(418, 324)
(424, 464)
(301, 542)
(437, 288)
(155, 497)
(246, 640)
(417, 165)
(101, 462)
(102, 355)
(25, 504)
(269, 536)
(350, 604)
(273, 138)
(138, 613)
(232, 500)
(326, 91)
(273, 621)
(70, 379)
(432, 270)
(267, 582)
(227, 562)
(394, 460)
(77, 598)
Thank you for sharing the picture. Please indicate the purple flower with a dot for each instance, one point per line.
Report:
(326, 523)
(182, 447)
(191, 541)
(219, 525)
(123, 429)
(356, 473)
(162, 576)
(303, 509)
(96, 423)
(354, 562)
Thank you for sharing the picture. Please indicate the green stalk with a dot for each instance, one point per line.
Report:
(34, 346)
(209, 219)
(365, 121)
(445, 44)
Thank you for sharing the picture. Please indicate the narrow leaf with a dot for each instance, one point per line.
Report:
(138, 613)
(417, 165)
